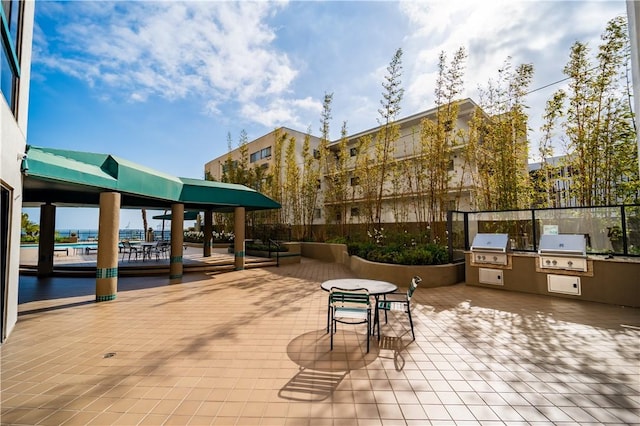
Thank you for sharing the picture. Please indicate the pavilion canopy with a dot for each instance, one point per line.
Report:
(188, 215)
(76, 178)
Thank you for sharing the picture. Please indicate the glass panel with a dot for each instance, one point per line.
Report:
(457, 235)
(515, 223)
(7, 79)
(632, 216)
(601, 226)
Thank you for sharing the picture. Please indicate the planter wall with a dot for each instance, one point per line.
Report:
(326, 252)
(400, 275)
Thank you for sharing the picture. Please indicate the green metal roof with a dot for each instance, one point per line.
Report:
(188, 215)
(76, 178)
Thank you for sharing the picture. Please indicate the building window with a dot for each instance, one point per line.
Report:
(227, 167)
(319, 184)
(353, 152)
(450, 165)
(355, 212)
(355, 181)
(317, 213)
(261, 154)
(316, 154)
(10, 61)
(338, 217)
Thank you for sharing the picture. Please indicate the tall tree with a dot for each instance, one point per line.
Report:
(389, 131)
(439, 138)
(310, 183)
(599, 126)
(500, 150)
(336, 191)
(291, 195)
(545, 177)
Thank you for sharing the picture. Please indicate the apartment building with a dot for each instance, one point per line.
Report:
(401, 195)
(17, 32)
(261, 152)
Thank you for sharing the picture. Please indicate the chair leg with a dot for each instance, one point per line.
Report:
(411, 322)
(332, 333)
(328, 313)
(368, 328)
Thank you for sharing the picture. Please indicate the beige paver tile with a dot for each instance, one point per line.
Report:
(231, 349)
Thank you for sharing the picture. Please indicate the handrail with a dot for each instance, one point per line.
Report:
(275, 243)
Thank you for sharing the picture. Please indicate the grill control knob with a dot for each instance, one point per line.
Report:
(555, 262)
(495, 258)
(548, 262)
(570, 263)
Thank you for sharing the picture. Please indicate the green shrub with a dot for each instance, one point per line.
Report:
(265, 247)
(337, 240)
(399, 254)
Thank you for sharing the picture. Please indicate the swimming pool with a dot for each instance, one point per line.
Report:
(65, 245)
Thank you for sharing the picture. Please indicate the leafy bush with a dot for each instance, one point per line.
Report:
(265, 247)
(399, 249)
(337, 240)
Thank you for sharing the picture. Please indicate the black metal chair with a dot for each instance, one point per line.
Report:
(128, 249)
(398, 301)
(349, 307)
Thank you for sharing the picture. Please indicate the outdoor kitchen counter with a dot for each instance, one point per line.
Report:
(607, 280)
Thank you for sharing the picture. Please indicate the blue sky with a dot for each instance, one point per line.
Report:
(163, 83)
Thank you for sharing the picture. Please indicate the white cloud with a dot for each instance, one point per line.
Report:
(216, 51)
(283, 112)
(528, 31)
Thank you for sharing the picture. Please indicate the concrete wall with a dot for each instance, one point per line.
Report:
(325, 252)
(612, 281)
(13, 137)
(400, 275)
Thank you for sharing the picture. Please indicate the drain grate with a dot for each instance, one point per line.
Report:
(109, 355)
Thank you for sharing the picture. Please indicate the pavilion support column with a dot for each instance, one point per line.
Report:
(108, 239)
(208, 231)
(177, 241)
(47, 239)
(238, 239)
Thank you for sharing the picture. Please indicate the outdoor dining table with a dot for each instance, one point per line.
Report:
(146, 249)
(375, 288)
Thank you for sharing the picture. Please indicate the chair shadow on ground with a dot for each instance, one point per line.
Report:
(321, 370)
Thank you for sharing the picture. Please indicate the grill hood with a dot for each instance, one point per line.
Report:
(491, 242)
(563, 245)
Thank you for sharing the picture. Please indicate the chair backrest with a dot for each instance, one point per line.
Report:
(412, 287)
(349, 299)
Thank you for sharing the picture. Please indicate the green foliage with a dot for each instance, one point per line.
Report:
(399, 249)
(600, 137)
(265, 247)
(30, 231)
(337, 240)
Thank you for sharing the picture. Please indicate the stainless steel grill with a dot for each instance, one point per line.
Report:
(490, 249)
(563, 252)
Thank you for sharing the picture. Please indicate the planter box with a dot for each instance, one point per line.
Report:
(400, 275)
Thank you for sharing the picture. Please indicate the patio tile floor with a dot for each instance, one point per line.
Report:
(250, 348)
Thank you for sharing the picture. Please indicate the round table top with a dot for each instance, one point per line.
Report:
(373, 286)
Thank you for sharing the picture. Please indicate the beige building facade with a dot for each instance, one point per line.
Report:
(261, 153)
